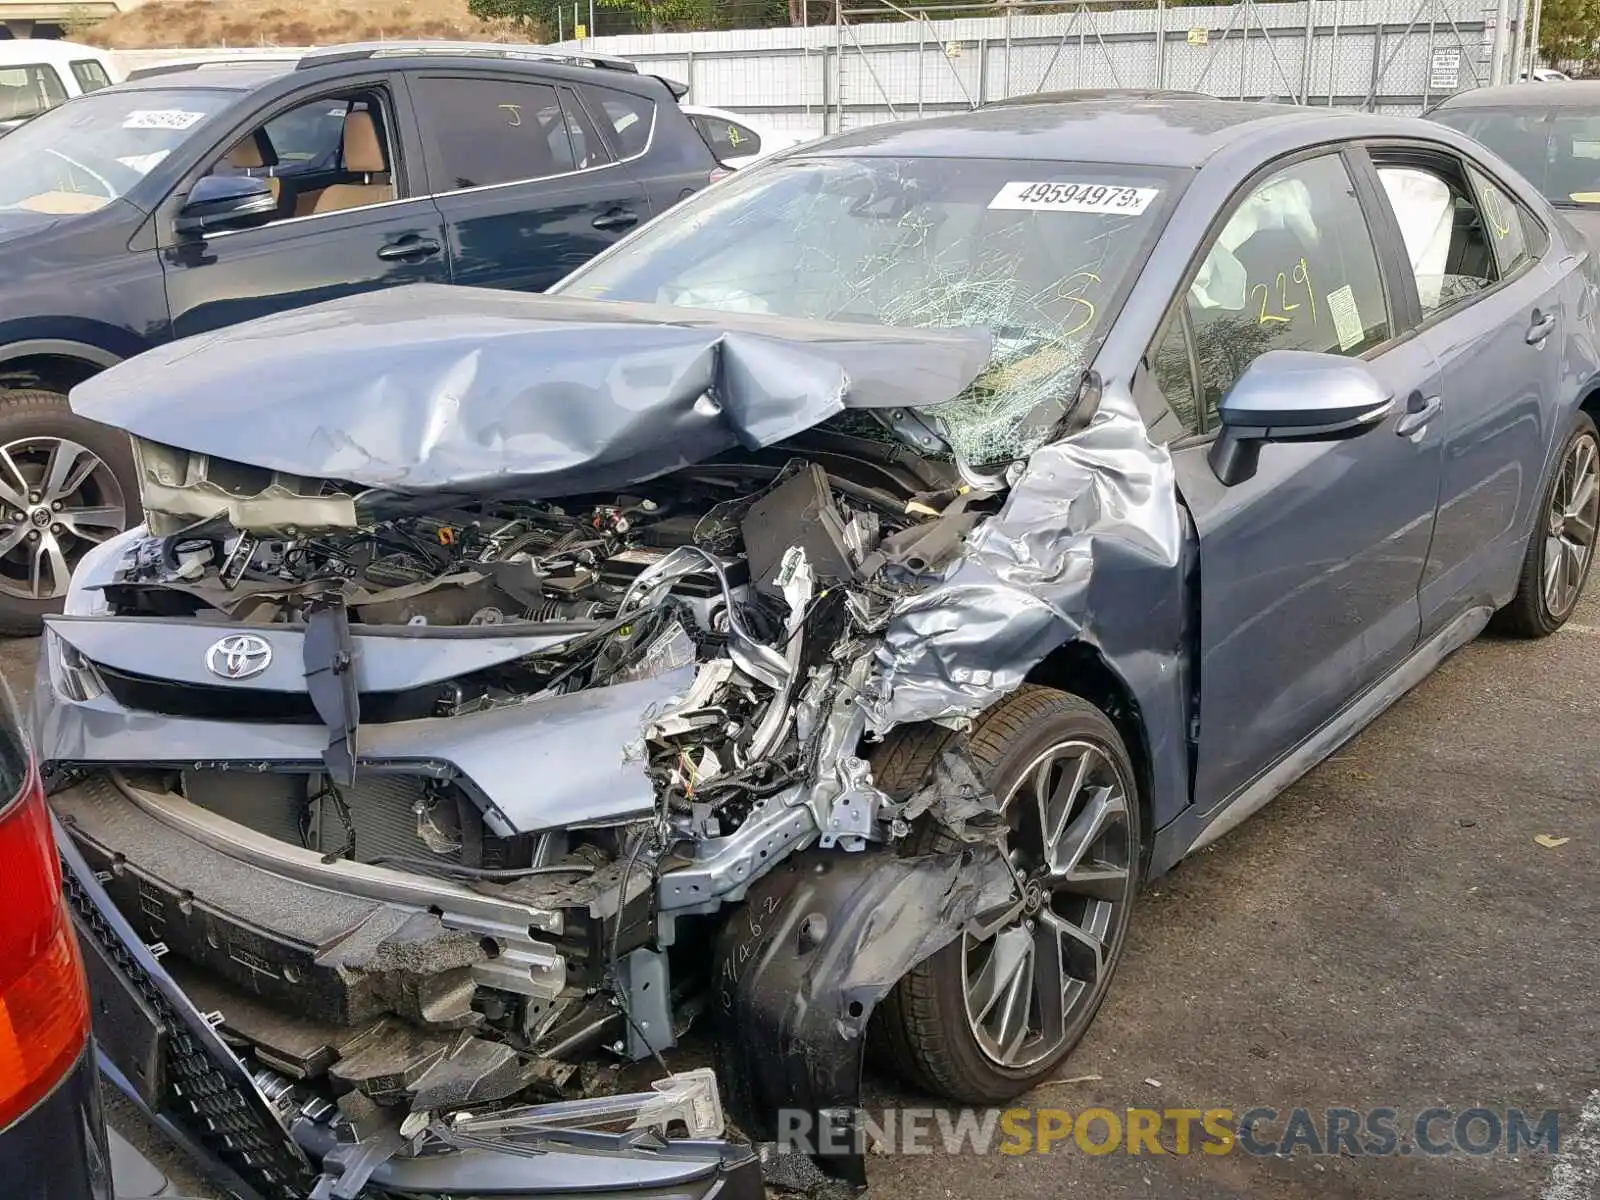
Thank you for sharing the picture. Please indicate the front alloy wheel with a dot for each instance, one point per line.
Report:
(994, 1012)
(1070, 844)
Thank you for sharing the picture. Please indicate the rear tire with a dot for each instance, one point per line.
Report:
(1081, 889)
(66, 484)
(1560, 551)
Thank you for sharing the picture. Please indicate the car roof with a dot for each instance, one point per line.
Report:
(21, 51)
(211, 76)
(1559, 93)
(247, 72)
(1123, 128)
(1080, 95)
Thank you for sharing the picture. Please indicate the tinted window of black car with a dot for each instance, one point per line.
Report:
(480, 132)
(630, 118)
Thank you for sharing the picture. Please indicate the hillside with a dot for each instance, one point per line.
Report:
(162, 24)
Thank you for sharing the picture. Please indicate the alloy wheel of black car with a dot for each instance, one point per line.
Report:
(989, 1016)
(61, 492)
(1561, 550)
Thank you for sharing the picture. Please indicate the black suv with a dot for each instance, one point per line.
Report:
(203, 194)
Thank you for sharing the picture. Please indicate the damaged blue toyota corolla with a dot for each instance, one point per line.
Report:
(816, 621)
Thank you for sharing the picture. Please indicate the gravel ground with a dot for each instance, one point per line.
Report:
(1389, 933)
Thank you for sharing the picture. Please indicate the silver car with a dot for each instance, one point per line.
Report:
(816, 621)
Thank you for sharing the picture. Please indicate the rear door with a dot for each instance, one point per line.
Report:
(528, 188)
(351, 217)
(666, 154)
(1491, 314)
(1308, 571)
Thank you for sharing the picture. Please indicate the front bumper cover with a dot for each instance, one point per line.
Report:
(168, 1057)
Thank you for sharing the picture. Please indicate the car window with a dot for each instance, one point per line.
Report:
(91, 76)
(727, 139)
(308, 137)
(82, 156)
(588, 148)
(1508, 224)
(1294, 268)
(1174, 373)
(632, 118)
(479, 132)
(325, 155)
(1446, 235)
(26, 91)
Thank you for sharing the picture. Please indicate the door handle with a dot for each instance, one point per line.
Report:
(617, 218)
(1544, 324)
(410, 247)
(1418, 413)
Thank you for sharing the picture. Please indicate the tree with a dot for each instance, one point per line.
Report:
(537, 19)
(1568, 28)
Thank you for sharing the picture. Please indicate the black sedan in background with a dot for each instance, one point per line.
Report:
(1550, 133)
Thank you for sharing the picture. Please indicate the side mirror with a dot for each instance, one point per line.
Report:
(225, 202)
(1294, 396)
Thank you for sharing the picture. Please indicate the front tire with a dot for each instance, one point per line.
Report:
(985, 1019)
(66, 484)
(1561, 548)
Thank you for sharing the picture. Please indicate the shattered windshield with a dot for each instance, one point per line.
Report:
(80, 157)
(1036, 252)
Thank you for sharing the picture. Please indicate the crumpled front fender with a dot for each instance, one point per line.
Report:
(817, 944)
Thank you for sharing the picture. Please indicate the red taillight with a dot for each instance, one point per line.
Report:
(44, 1001)
(720, 174)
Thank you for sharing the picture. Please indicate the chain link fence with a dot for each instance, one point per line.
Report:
(883, 62)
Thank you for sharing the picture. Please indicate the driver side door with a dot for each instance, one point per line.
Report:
(1309, 571)
(352, 212)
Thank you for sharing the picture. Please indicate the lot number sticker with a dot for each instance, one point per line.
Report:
(1074, 197)
(161, 118)
(1347, 326)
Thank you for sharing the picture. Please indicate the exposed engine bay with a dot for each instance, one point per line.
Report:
(757, 582)
(491, 695)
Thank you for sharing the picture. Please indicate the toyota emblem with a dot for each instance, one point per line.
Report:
(242, 656)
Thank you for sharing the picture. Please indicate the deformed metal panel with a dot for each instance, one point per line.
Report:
(433, 389)
(554, 761)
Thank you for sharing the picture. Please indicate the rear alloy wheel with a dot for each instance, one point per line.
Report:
(996, 1011)
(62, 490)
(1560, 553)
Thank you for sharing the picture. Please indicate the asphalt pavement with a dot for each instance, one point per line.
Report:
(1414, 926)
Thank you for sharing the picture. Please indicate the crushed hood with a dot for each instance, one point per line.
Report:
(433, 389)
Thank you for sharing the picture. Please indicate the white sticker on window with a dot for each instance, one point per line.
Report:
(161, 118)
(1346, 318)
(1074, 197)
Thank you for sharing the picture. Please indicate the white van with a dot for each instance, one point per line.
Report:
(36, 74)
